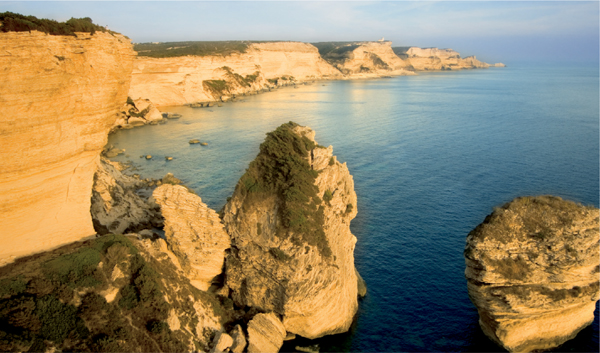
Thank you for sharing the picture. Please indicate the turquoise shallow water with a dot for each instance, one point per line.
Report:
(431, 155)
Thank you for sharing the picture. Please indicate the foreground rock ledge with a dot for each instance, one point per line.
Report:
(532, 272)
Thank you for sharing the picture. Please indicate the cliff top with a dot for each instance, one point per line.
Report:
(14, 22)
(194, 48)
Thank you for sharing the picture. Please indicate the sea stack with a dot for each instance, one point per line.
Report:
(292, 251)
(532, 272)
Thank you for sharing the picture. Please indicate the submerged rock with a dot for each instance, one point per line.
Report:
(532, 272)
(292, 249)
(194, 233)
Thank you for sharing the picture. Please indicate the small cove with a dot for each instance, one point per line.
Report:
(431, 155)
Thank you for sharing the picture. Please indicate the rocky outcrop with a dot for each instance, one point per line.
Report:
(194, 233)
(116, 205)
(367, 59)
(532, 272)
(265, 334)
(191, 79)
(59, 96)
(292, 249)
(422, 59)
(137, 113)
(113, 293)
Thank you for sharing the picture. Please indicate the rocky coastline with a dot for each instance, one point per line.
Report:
(109, 262)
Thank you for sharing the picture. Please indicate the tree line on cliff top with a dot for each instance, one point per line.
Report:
(14, 22)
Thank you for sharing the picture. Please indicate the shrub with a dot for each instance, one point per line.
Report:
(327, 196)
(215, 87)
(75, 269)
(13, 22)
(349, 208)
(281, 168)
(331, 161)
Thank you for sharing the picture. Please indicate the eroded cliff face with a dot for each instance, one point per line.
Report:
(59, 97)
(532, 272)
(441, 59)
(194, 233)
(292, 250)
(190, 79)
(368, 59)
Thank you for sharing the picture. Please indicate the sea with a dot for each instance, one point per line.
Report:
(431, 156)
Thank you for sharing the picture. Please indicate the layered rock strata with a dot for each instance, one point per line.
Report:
(292, 249)
(367, 59)
(532, 272)
(191, 79)
(265, 334)
(59, 96)
(137, 113)
(440, 59)
(194, 233)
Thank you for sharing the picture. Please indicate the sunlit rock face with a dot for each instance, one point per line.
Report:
(292, 249)
(532, 272)
(59, 97)
(187, 79)
(422, 59)
(367, 59)
(194, 233)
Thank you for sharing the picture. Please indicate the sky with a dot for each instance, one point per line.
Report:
(494, 31)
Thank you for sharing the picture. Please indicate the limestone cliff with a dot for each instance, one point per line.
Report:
(194, 233)
(421, 59)
(190, 79)
(59, 97)
(367, 59)
(292, 249)
(532, 272)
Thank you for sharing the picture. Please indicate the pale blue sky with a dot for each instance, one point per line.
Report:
(492, 30)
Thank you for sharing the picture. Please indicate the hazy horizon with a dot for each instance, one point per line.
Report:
(493, 31)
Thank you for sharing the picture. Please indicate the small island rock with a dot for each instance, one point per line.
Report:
(532, 272)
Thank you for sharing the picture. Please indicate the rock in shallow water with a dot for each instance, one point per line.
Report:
(532, 272)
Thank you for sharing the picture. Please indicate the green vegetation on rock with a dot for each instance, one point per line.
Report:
(13, 22)
(281, 169)
(55, 299)
(175, 49)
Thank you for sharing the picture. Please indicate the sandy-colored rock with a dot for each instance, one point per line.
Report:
(265, 334)
(239, 340)
(421, 59)
(532, 272)
(59, 96)
(116, 206)
(368, 59)
(311, 283)
(180, 80)
(221, 343)
(194, 233)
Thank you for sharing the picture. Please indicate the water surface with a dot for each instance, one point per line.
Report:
(431, 155)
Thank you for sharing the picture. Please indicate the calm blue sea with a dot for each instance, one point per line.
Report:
(431, 155)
